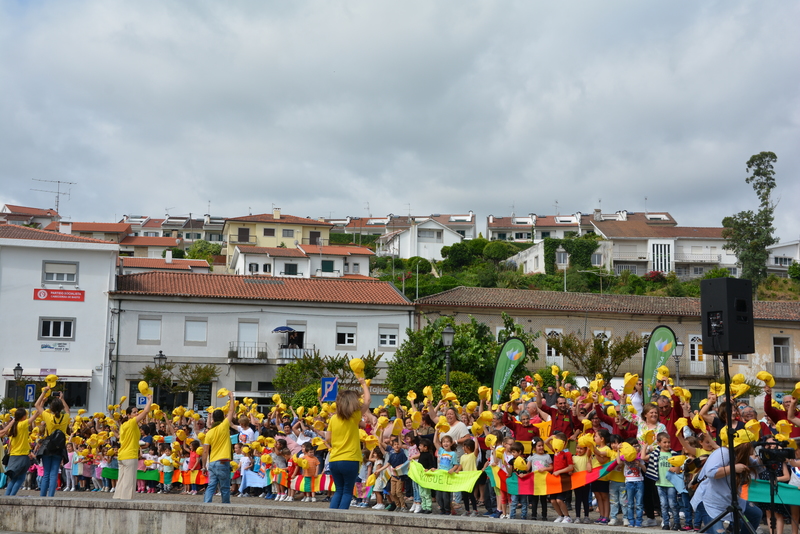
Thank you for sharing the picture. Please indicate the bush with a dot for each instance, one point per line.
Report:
(655, 276)
(424, 265)
(721, 272)
(498, 251)
(305, 397)
(794, 271)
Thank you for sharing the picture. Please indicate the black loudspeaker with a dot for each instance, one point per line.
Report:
(726, 313)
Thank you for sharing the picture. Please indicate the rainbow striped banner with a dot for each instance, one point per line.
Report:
(194, 477)
(312, 484)
(542, 483)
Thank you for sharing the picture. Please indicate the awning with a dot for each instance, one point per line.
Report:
(38, 374)
(280, 329)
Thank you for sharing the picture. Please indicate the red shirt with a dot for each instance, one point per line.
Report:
(629, 430)
(669, 421)
(521, 432)
(777, 415)
(562, 460)
(560, 422)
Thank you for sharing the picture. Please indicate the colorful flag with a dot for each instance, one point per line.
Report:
(659, 348)
(543, 483)
(510, 355)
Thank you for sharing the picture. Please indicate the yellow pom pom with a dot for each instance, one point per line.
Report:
(554, 370)
(222, 392)
(767, 378)
(627, 451)
(499, 451)
(357, 366)
(520, 464)
(143, 387)
(412, 396)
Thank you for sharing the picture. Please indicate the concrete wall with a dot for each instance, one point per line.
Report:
(68, 516)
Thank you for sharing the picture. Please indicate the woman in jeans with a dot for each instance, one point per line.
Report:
(19, 447)
(345, 456)
(56, 417)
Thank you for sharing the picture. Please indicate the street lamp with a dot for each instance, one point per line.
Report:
(17, 378)
(447, 340)
(676, 355)
(160, 360)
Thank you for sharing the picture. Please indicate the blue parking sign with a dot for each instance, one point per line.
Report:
(30, 392)
(330, 388)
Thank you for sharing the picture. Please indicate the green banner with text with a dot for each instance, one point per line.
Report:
(511, 354)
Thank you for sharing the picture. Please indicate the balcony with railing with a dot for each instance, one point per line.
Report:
(704, 365)
(316, 241)
(630, 256)
(248, 352)
(681, 257)
(235, 239)
(336, 273)
(290, 355)
(786, 371)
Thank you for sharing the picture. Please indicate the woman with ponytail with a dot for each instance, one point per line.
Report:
(56, 417)
(19, 446)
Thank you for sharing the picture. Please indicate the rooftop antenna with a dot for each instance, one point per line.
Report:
(166, 210)
(209, 207)
(58, 191)
(250, 210)
(556, 206)
(409, 209)
(369, 213)
(513, 210)
(645, 206)
(600, 204)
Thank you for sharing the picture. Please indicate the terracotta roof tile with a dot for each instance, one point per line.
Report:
(331, 290)
(153, 223)
(521, 299)
(160, 263)
(111, 228)
(276, 252)
(35, 212)
(138, 241)
(336, 250)
(285, 219)
(13, 231)
(643, 229)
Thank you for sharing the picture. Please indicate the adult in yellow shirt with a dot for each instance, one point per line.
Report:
(19, 446)
(56, 417)
(128, 455)
(217, 453)
(345, 456)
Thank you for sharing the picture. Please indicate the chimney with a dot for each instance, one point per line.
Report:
(276, 213)
(65, 227)
(597, 216)
(168, 256)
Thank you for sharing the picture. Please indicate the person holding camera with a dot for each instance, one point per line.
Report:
(773, 467)
(56, 418)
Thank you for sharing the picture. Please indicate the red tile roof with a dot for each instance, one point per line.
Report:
(285, 219)
(276, 252)
(34, 212)
(153, 223)
(137, 241)
(521, 299)
(161, 263)
(331, 290)
(110, 228)
(507, 222)
(336, 250)
(643, 229)
(13, 231)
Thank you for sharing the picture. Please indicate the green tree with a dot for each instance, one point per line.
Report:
(749, 233)
(204, 250)
(191, 376)
(590, 356)
(498, 251)
(309, 369)
(794, 271)
(177, 253)
(457, 256)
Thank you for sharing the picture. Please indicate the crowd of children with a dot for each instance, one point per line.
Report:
(647, 455)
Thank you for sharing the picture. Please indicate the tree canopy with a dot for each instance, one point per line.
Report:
(749, 233)
(592, 355)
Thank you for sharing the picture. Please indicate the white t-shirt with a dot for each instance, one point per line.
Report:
(248, 434)
(457, 432)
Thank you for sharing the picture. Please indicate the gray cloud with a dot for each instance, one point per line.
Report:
(322, 107)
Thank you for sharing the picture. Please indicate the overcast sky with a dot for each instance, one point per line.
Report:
(327, 108)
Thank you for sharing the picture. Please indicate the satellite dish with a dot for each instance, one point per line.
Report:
(296, 242)
(177, 241)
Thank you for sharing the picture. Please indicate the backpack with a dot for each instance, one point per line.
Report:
(53, 445)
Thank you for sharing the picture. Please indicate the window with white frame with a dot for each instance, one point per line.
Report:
(60, 272)
(149, 332)
(698, 271)
(287, 232)
(346, 267)
(783, 262)
(346, 335)
(434, 235)
(57, 328)
(552, 333)
(356, 268)
(597, 260)
(195, 331)
(388, 336)
(252, 268)
(695, 348)
(782, 355)
(522, 235)
(269, 232)
(545, 235)
(733, 271)
(267, 268)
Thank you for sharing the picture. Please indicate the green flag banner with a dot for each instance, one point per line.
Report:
(659, 349)
(758, 491)
(441, 480)
(511, 354)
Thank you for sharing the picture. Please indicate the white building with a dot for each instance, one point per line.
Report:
(305, 261)
(424, 239)
(781, 256)
(54, 305)
(229, 321)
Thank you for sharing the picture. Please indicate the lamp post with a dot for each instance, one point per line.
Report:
(447, 340)
(676, 355)
(17, 378)
(160, 360)
(601, 274)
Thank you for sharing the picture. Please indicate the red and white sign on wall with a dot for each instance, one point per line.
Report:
(58, 294)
